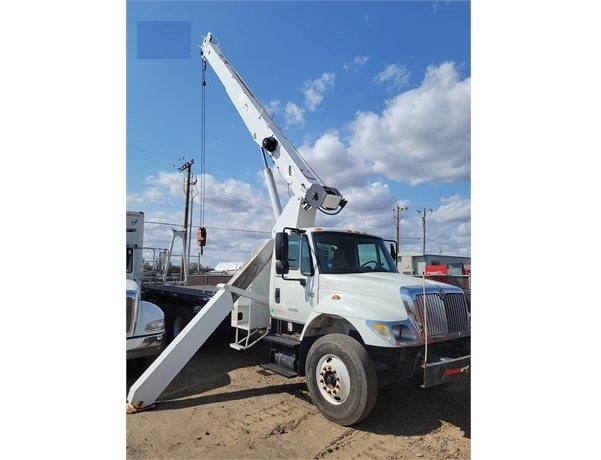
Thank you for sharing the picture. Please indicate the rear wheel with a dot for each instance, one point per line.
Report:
(181, 319)
(341, 379)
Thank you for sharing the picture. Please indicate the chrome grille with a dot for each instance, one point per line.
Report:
(445, 316)
(131, 313)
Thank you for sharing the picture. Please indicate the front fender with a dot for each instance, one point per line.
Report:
(355, 312)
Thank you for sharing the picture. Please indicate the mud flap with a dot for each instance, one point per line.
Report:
(446, 370)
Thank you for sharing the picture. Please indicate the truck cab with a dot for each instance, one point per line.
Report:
(145, 325)
(145, 335)
(331, 281)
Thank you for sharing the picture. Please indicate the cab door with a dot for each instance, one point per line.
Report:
(294, 292)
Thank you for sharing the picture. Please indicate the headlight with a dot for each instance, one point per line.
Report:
(393, 332)
(154, 326)
(382, 330)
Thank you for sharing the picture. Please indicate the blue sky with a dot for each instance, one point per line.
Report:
(376, 96)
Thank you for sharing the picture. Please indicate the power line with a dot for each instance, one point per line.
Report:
(446, 243)
(211, 228)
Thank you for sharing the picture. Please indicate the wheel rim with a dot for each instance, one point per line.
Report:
(332, 379)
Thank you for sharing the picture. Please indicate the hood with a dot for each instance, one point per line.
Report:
(359, 295)
(375, 284)
(131, 285)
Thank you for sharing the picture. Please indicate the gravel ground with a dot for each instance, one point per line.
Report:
(222, 405)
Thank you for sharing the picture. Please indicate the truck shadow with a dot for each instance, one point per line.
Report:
(292, 388)
(406, 410)
(207, 370)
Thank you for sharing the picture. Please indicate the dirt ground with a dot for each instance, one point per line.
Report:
(222, 405)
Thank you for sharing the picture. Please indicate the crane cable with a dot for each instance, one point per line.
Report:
(202, 153)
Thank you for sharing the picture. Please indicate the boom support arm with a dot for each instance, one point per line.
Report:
(305, 184)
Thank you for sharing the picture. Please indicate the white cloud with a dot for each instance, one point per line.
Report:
(423, 135)
(453, 209)
(232, 197)
(395, 75)
(173, 183)
(314, 90)
(294, 115)
(368, 209)
(333, 163)
(358, 61)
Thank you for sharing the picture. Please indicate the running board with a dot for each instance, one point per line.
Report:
(279, 370)
(283, 355)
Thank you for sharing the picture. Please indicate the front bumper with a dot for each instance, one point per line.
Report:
(446, 370)
(142, 347)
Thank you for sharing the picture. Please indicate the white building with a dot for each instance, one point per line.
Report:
(229, 268)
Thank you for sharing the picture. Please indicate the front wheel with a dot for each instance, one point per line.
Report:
(341, 379)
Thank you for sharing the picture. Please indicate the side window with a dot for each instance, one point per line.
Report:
(293, 250)
(305, 254)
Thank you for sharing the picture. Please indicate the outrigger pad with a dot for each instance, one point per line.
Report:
(131, 409)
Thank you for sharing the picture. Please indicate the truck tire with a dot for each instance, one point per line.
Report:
(180, 320)
(341, 379)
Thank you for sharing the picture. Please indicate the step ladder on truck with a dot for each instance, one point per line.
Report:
(331, 303)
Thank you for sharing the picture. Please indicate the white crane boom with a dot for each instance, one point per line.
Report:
(309, 191)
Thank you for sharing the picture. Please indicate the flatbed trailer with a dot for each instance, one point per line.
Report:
(179, 303)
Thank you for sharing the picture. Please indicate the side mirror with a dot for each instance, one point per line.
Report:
(282, 266)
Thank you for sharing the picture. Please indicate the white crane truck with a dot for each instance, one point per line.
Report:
(331, 303)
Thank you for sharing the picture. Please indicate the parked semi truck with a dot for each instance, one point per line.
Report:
(177, 301)
(330, 303)
(145, 337)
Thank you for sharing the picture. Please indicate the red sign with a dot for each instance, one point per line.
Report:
(436, 270)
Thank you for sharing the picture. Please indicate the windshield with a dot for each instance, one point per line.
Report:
(352, 253)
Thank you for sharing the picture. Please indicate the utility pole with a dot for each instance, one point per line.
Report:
(191, 213)
(186, 166)
(423, 214)
(396, 217)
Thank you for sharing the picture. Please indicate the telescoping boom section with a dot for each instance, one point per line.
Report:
(308, 190)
